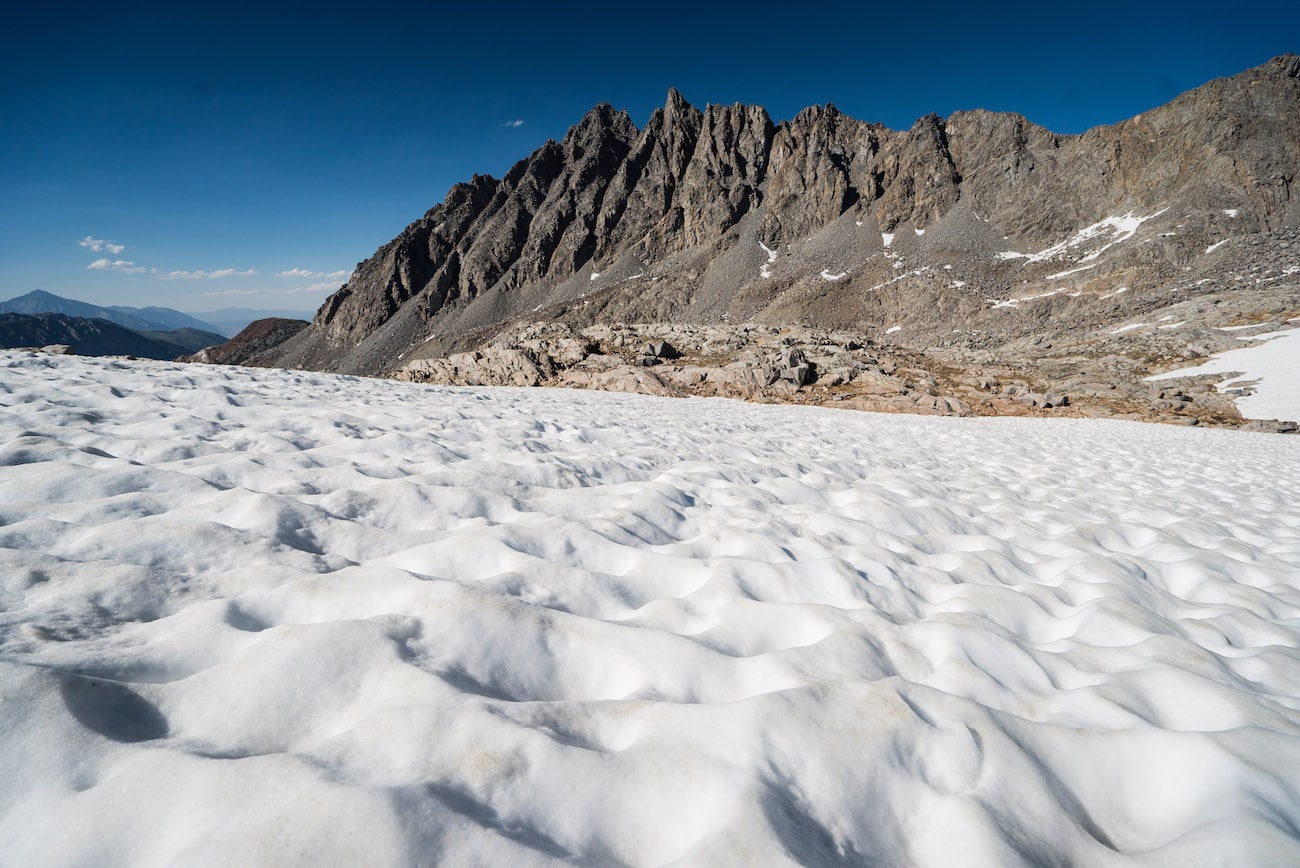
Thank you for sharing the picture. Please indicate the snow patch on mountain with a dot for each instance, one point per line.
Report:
(1095, 239)
(1269, 371)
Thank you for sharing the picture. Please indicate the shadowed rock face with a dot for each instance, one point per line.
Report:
(665, 223)
(257, 337)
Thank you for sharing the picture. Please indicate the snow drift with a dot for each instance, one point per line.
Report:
(268, 617)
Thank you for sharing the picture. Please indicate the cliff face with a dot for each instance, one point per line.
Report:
(722, 214)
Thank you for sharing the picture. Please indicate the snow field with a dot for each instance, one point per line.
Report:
(270, 617)
(1271, 369)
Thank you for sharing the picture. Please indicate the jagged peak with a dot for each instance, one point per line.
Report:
(464, 191)
(675, 113)
(735, 108)
(602, 113)
(962, 116)
(677, 104)
(814, 113)
(603, 117)
(1287, 65)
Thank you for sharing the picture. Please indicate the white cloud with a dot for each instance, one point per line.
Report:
(126, 266)
(304, 274)
(326, 286)
(122, 265)
(98, 245)
(515, 123)
(202, 275)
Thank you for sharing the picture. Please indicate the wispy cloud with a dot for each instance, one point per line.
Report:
(126, 266)
(98, 245)
(515, 123)
(304, 274)
(122, 265)
(327, 286)
(202, 275)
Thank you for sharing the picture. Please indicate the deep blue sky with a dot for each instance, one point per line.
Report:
(298, 138)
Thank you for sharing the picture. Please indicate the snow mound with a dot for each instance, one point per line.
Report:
(272, 617)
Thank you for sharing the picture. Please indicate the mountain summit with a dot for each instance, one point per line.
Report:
(974, 229)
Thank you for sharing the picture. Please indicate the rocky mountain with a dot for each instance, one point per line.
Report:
(255, 338)
(144, 319)
(977, 233)
(94, 336)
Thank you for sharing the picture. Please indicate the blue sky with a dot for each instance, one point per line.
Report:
(251, 154)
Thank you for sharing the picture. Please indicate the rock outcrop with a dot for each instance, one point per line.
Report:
(814, 366)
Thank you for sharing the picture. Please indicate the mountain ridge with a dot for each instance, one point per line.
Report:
(97, 336)
(138, 319)
(724, 215)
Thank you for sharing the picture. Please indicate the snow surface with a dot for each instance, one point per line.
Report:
(1069, 271)
(270, 617)
(1272, 368)
(832, 278)
(1130, 327)
(1014, 303)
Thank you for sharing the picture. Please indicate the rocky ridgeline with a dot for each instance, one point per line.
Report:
(968, 231)
(815, 366)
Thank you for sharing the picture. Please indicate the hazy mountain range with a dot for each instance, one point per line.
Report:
(94, 336)
(41, 318)
(226, 321)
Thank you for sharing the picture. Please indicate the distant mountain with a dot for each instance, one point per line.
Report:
(230, 321)
(95, 336)
(140, 319)
(166, 318)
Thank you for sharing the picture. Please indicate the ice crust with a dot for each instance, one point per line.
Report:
(270, 617)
